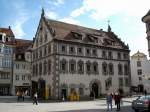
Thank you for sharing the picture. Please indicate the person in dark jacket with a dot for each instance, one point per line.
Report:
(117, 99)
(145, 92)
(35, 99)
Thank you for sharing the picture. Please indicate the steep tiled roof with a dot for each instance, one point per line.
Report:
(22, 45)
(7, 31)
(64, 31)
(61, 29)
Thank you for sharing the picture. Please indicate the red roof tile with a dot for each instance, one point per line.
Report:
(7, 31)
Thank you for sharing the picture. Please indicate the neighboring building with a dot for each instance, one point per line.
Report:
(22, 66)
(146, 20)
(6, 52)
(140, 72)
(69, 58)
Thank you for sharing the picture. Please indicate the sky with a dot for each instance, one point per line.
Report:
(124, 15)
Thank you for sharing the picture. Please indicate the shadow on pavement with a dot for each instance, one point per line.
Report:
(123, 109)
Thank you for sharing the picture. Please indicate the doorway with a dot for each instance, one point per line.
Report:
(64, 93)
(95, 89)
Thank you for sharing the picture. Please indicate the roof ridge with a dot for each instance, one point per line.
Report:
(74, 25)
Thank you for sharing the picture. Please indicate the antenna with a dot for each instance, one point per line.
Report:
(109, 28)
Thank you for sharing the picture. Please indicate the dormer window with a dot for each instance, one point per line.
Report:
(77, 35)
(92, 38)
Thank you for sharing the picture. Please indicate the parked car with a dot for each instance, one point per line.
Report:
(141, 104)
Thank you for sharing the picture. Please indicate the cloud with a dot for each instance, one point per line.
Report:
(56, 2)
(70, 20)
(51, 14)
(18, 27)
(125, 13)
(21, 18)
(101, 9)
(77, 12)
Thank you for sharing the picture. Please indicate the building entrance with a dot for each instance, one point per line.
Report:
(64, 93)
(95, 89)
(41, 89)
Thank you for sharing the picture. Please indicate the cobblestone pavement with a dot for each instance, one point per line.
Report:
(7, 105)
(123, 109)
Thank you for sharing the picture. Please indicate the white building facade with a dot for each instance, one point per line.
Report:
(70, 58)
(140, 72)
(146, 20)
(22, 67)
(6, 56)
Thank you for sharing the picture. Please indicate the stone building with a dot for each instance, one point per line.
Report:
(140, 72)
(69, 58)
(146, 20)
(6, 52)
(22, 66)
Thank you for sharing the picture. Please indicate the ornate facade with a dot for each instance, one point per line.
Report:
(146, 20)
(70, 58)
(7, 40)
(22, 66)
(140, 72)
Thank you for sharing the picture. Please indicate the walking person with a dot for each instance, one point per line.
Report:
(23, 95)
(109, 101)
(35, 97)
(18, 95)
(145, 92)
(118, 100)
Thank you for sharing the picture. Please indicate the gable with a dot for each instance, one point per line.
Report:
(43, 34)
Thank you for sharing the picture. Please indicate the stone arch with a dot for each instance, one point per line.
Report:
(64, 91)
(98, 83)
(41, 88)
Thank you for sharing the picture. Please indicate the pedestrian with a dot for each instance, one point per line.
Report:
(117, 99)
(92, 95)
(26, 93)
(35, 97)
(145, 92)
(109, 101)
(23, 95)
(18, 95)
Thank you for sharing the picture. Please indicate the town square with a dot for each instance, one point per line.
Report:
(74, 55)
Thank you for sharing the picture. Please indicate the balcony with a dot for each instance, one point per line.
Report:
(4, 69)
(5, 81)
